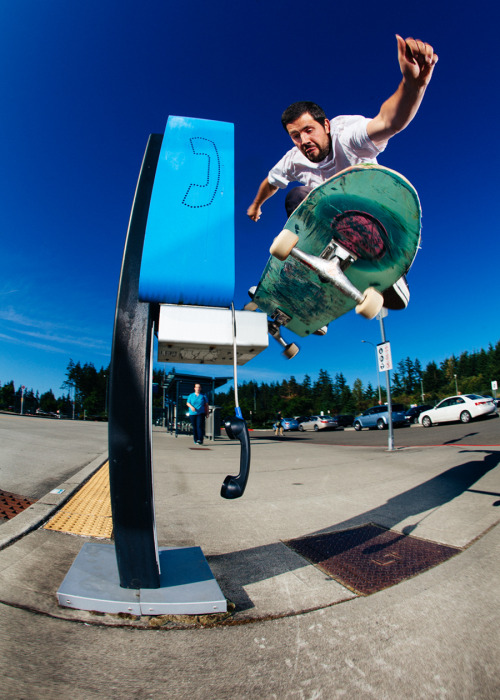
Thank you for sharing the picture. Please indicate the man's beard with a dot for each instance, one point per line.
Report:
(319, 156)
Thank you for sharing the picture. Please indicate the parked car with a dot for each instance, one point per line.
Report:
(458, 408)
(490, 398)
(413, 413)
(344, 420)
(46, 414)
(378, 417)
(289, 424)
(318, 423)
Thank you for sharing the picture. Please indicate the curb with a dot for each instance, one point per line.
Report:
(41, 511)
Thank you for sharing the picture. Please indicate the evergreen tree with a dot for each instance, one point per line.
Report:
(48, 403)
(358, 395)
(370, 393)
(7, 395)
(434, 380)
(397, 380)
(494, 363)
(338, 391)
(323, 392)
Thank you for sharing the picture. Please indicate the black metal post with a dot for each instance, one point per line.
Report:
(129, 431)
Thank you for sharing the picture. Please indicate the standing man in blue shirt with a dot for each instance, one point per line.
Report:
(198, 409)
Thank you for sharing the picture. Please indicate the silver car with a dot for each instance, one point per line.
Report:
(378, 417)
(318, 423)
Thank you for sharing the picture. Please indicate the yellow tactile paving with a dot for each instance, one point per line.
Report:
(88, 513)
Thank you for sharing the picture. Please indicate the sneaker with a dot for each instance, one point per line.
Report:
(397, 297)
(321, 331)
(251, 292)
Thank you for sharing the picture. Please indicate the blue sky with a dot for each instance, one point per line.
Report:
(84, 84)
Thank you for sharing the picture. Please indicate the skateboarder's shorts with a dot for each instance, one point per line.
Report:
(294, 197)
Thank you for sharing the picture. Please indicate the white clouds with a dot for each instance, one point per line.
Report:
(58, 337)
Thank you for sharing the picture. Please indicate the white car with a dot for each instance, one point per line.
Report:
(457, 408)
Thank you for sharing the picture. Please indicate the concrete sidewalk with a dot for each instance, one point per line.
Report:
(295, 490)
(440, 628)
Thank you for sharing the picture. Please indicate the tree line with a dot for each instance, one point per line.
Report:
(410, 384)
(84, 395)
(84, 391)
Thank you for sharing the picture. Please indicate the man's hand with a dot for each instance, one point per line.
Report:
(266, 190)
(416, 60)
(254, 212)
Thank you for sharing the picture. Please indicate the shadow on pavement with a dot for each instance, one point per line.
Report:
(235, 570)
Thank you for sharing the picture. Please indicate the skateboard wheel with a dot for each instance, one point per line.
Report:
(290, 351)
(371, 304)
(283, 244)
(251, 306)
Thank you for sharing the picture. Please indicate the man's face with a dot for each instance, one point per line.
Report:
(197, 388)
(311, 137)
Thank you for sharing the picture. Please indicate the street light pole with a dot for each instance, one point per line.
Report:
(456, 384)
(378, 371)
(388, 385)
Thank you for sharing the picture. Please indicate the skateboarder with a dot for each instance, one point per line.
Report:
(323, 147)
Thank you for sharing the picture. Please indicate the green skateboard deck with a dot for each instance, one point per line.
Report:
(368, 218)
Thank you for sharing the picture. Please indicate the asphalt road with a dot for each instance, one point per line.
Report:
(38, 454)
(479, 432)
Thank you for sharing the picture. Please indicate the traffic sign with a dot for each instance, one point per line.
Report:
(384, 356)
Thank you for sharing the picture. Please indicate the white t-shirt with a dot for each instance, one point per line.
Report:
(350, 145)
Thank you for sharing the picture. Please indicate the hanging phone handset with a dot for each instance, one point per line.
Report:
(236, 429)
(234, 486)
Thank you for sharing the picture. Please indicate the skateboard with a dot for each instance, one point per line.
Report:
(348, 241)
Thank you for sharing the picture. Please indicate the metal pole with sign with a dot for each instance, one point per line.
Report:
(385, 365)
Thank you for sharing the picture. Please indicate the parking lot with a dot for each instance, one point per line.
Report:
(485, 431)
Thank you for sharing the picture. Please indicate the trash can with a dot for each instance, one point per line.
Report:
(213, 423)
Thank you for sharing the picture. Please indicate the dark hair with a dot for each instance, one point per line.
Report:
(299, 108)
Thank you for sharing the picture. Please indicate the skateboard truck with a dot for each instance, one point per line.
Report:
(334, 249)
(329, 268)
(279, 318)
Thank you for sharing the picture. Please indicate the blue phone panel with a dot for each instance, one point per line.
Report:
(188, 254)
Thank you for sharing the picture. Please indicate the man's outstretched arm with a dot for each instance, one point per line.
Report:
(265, 191)
(417, 61)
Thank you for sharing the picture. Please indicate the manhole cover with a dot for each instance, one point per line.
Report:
(370, 558)
(11, 504)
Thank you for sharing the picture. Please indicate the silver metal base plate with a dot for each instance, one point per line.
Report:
(187, 585)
